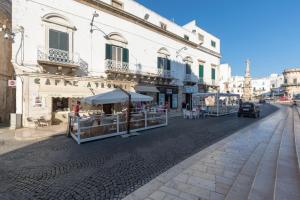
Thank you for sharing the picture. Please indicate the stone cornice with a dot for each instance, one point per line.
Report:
(132, 18)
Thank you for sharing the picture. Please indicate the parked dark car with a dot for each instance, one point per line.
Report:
(249, 109)
(262, 101)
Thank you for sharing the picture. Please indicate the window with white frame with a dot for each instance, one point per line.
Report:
(58, 38)
(200, 37)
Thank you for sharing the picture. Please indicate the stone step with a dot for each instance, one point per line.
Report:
(297, 133)
(263, 183)
(242, 185)
(287, 181)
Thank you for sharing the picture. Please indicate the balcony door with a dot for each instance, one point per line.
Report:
(58, 46)
(117, 54)
(117, 58)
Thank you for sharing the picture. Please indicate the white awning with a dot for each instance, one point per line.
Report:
(142, 88)
(115, 96)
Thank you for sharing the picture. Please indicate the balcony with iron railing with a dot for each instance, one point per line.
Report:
(112, 66)
(61, 58)
(190, 78)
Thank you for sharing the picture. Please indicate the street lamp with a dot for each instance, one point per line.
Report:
(178, 51)
(95, 27)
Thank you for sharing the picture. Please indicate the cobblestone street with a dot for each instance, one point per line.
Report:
(58, 168)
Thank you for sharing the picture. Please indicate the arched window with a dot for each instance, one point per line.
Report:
(116, 53)
(59, 32)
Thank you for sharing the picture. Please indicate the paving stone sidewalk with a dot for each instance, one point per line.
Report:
(211, 173)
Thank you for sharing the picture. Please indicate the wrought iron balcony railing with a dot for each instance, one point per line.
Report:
(138, 69)
(201, 81)
(60, 57)
(55, 56)
(117, 66)
(164, 73)
(190, 78)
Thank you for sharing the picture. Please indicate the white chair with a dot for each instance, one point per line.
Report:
(196, 114)
(184, 113)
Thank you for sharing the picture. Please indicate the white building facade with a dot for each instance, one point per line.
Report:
(224, 77)
(236, 85)
(260, 86)
(59, 57)
(291, 83)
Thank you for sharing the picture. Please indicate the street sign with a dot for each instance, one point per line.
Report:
(12, 83)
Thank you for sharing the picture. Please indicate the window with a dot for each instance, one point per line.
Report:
(285, 80)
(201, 71)
(59, 32)
(295, 81)
(200, 37)
(116, 53)
(186, 37)
(213, 43)
(117, 4)
(163, 25)
(188, 69)
(213, 73)
(163, 63)
(58, 40)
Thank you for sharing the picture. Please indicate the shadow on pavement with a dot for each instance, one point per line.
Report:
(110, 168)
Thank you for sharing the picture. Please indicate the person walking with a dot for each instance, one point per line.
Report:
(76, 109)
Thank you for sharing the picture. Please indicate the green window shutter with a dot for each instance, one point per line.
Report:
(168, 64)
(159, 60)
(125, 55)
(213, 73)
(201, 70)
(108, 52)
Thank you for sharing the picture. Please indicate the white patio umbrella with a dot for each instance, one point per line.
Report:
(115, 96)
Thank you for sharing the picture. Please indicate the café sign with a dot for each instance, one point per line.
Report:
(76, 83)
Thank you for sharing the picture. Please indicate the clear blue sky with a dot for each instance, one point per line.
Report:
(265, 31)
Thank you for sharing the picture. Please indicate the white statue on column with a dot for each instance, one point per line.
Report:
(247, 92)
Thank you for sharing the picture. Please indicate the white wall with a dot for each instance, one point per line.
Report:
(143, 43)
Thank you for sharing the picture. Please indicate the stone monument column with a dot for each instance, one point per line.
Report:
(247, 90)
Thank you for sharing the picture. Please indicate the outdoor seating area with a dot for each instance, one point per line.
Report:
(194, 113)
(214, 104)
(98, 126)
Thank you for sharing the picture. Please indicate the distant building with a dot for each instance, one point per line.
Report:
(224, 77)
(291, 83)
(236, 85)
(264, 86)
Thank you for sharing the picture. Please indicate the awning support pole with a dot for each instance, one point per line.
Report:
(128, 108)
